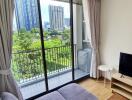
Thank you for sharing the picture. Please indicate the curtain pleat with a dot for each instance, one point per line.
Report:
(94, 7)
(7, 82)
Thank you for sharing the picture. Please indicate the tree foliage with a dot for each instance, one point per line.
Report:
(27, 60)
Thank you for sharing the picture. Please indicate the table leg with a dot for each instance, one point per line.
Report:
(110, 77)
(104, 79)
(97, 75)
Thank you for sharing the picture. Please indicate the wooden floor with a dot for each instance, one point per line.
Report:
(97, 88)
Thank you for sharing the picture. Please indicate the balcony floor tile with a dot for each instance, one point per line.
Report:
(39, 87)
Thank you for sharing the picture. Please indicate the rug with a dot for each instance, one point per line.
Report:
(116, 96)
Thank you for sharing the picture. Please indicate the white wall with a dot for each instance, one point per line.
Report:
(116, 30)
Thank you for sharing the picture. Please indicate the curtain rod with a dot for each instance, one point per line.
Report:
(68, 2)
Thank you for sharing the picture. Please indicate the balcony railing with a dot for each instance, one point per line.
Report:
(27, 65)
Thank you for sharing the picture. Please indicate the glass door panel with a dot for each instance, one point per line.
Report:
(56, 26)
(82, 49)
(27, 63)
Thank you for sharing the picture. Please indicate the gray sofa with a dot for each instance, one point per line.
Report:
(69, 92)
(7, 96)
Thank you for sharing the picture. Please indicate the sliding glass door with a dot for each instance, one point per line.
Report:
(49, 45)
(56, 30)
(27, 62)
(82, 48)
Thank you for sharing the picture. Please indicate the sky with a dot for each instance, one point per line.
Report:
(44, 8)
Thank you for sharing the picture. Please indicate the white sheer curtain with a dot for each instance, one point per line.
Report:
(86, 20)
(92, 22)
(7, 82)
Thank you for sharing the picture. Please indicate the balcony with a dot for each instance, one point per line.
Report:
(28, 69)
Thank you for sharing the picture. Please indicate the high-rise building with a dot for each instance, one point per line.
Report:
(26, 12)
(67, 22)
(46, 25)
(56, 17)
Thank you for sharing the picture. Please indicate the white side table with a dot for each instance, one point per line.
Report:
(105, 69)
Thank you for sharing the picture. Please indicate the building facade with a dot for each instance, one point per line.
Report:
(56, 17)
(67, 22)
(26, 12)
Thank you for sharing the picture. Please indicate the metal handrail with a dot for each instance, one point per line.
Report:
(27, 64)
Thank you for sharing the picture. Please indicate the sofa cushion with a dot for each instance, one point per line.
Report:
(52, 96)
(7, 96)
(75, 92)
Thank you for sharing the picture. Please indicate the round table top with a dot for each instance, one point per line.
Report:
(104, 68)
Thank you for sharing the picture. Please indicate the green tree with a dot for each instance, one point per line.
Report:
(24, 57)
(66, 36)
(27, 62)
(46, 34)
(36, 33)
(25, 40)
(23, 30)
(35, 30)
